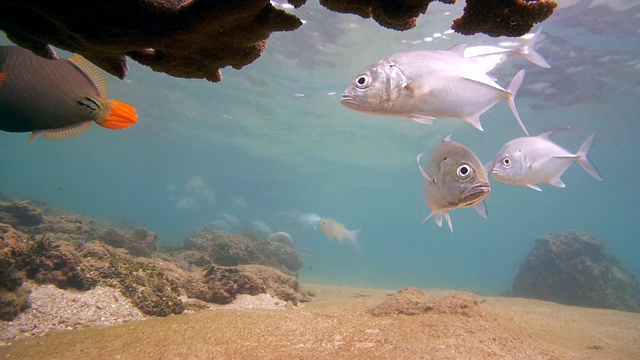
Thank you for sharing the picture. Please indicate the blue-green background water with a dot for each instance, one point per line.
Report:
(254, 136)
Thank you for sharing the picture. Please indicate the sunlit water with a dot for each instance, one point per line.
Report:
(272, 141)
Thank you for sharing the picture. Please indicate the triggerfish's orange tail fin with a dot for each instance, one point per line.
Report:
(120, 116)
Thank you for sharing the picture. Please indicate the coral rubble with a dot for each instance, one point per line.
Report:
(502, 18)
(576, 269)
(196, 38)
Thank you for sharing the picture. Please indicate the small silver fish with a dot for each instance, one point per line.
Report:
(538, 160)
(487, 57)
(423, 85)
(337, 231)
(454, 178)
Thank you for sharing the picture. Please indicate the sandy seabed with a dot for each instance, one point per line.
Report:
(338, 324)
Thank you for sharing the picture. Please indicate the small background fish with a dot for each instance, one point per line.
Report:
(337, 231)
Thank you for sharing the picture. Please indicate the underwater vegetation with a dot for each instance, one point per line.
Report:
(576, 269)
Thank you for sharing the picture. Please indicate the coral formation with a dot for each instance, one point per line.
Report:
(20, 213)
(576, 269)
(196, 38)
(229, 249)
(396, 14)
(502, 18)
(183, 38)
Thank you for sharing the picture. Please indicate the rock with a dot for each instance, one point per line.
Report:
(13, 295)
(576, 269)
(20, 213)
(139, 242)
(459, 304)
(222, 284)
(229, 249)
(408, 301)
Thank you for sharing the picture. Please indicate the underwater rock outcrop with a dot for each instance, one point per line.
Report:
(139, 242)
(413, 301)
(13, 296)
(576, 269)
(196, 38)
(222, 284)
(227, 249)
(20, 213)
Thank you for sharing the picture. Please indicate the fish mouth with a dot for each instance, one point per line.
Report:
(475, 193)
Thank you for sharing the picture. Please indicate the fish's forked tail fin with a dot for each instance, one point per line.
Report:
(120, 116)
(530, 54)
(512, 90)
(582, 158)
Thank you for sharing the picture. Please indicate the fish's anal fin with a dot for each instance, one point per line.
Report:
(556, 182)
(421, 119)
(474, 120)
(534, 187)
(65, 132)
(119, 115)
(481, 208)
(92, 71)
(3, 77)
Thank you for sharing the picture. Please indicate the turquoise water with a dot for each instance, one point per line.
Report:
(276, 136)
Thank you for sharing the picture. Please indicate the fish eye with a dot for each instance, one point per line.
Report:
(506, 161)
(363, 81)
(464, 171)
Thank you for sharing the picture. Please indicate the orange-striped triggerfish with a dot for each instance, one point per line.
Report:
(55, 98)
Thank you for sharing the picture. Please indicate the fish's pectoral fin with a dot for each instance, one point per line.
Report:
(120, 116)
(421, 119)
(420, 87)
(92, 71)
(556, 182)
(534, 166)
(534, 187)
(448, 219)
(481, 208)
(59, 134)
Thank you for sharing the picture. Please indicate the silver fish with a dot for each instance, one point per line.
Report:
(487, 57)
(454, 178)
(423, 85)
(538, 160)
(337, 231)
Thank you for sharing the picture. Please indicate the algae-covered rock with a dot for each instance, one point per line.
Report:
(13, 295)
(20, 213)
(229, 249)
(576, 269)
(139, 242)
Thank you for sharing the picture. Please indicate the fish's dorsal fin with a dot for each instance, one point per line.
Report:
(92, 72)
(534, 187)
(479, 77)
(545, 135)
(447, 138)
(59, 134)
(481, 208)
(458, 49)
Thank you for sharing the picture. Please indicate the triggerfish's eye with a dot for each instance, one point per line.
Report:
(464, 171)
(363, 81)
(506, 161)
